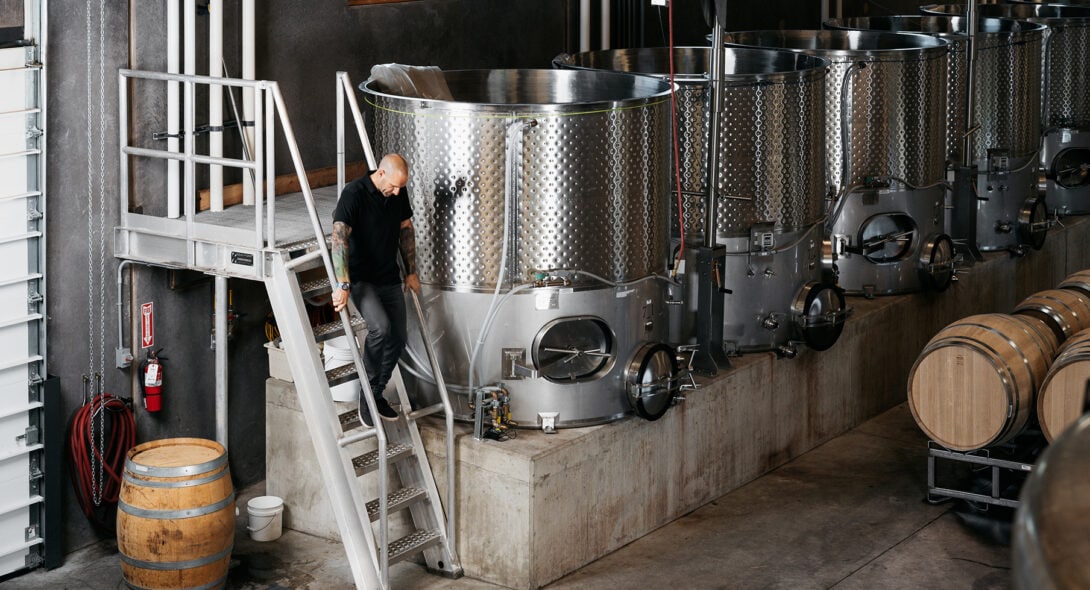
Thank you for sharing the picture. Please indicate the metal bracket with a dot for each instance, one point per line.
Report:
(31, 436)
(31, 532)
(514, 365)
(548, 421)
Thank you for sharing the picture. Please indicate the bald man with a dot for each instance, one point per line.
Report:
(371, 225)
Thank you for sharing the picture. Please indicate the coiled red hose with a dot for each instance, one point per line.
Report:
(83, 448)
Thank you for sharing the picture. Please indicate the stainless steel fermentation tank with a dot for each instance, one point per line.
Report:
(1065, 152)
(885, 130)
(539, 201)
(1004, 133)
(770, 188)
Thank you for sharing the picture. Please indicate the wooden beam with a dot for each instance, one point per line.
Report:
(286, 183)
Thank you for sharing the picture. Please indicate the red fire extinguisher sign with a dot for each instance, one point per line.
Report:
(147, 325)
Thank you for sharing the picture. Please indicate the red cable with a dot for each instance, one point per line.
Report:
(82, 445)
(677, 150)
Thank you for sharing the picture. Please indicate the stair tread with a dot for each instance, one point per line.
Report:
(397, 500)
(412, 543)
(336, 328)
(315, 287)
(349, 420)
(341, 374)
(368, 462)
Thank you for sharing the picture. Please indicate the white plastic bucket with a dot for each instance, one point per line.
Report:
(336, 354)
(266, 518)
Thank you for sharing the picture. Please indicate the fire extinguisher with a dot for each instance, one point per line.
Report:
(153, 381)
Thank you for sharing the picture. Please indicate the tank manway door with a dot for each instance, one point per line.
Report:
(820, 311)
(654, 377)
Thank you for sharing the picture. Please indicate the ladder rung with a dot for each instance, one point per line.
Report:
(315, 287)
(336, 328)
(396, 500)
(342, 374)
(412, 544)
(368, 462)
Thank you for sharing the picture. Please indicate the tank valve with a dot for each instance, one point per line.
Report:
(769, 273)
(770, 323)
(786, 351)
(1003, 227)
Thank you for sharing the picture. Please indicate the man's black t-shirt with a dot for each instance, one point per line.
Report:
(376, 228)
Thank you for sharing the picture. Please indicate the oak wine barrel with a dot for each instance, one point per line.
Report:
(1063, 395)
(176, 515)
(1066, 311)
(973, 385)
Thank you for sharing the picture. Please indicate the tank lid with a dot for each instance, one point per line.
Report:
(840, 43)
(692, 63)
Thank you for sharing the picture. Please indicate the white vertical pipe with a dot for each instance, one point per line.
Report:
(605, 23)
(221, 360)
(174, 50)
(189, 21)
(215, 102)
(249, 71)
(824, 11)
(584, 25)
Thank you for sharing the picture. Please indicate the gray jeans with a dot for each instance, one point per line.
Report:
(383, 306)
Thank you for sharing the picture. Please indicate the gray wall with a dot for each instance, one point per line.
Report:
(301, 45)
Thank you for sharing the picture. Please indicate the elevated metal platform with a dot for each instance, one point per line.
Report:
(227, 243)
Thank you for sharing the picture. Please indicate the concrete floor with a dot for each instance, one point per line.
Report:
(848, 514)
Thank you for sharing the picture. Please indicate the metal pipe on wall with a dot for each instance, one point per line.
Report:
(174, 208)
(249, 70)
(711, 209)
(584, 25)
(972, 18)
(221, 360)
(215, 103)
(605, 24)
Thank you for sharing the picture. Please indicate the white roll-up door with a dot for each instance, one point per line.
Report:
(22, 308)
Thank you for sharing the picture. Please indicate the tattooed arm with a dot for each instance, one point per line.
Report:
(407, 245)
(339, 253)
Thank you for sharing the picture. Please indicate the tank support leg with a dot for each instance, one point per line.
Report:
(710, 357)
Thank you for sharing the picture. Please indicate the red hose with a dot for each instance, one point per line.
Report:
(121, 429)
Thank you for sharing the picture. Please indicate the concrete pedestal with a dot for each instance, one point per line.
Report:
(537, 507)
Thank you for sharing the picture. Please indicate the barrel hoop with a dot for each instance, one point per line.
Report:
(1013, 345)
(1051, 313)
(177, 565)
(220, 583)
(176, 471)
(174, 514)
(185, 483)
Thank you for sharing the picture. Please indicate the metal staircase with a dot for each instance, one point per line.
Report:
(263, 248)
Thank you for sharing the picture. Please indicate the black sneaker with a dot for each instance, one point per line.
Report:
(384, 410)
(365, 415)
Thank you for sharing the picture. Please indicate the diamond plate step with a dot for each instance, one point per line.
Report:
(314, 288)
(342, 374)
(324, 332)
(397, 500)
(350, 420)
(412, 544)
(368, 462)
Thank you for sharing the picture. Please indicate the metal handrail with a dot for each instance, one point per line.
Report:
(262, 164)
(345, 91)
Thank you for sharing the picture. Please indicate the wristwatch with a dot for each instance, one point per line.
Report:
(344, 286)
